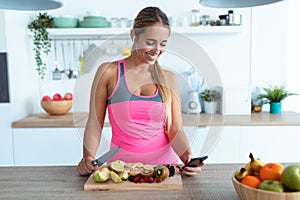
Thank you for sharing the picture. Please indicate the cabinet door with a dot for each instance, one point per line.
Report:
(211, 141)
(227, 148)
(271, 143)
(47, 146)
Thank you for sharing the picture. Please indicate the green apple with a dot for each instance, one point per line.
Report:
(291, 177)
(271, 185)
(101, 176)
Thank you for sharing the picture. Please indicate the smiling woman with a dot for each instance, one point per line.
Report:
(142, 100)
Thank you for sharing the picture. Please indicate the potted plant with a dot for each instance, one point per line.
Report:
(210, 98)
(274, 95)
(41, 40)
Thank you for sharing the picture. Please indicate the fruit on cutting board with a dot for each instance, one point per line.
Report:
(134, 172)
(101, 176)
(269, 176)
(115, 177)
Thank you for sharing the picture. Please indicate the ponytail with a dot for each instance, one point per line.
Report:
(164, 90)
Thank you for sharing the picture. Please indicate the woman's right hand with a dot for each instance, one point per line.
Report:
(85, 166)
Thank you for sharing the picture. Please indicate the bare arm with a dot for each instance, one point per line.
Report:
(176, 133)
(93, 129)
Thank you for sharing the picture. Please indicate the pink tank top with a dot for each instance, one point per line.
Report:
(138, 125)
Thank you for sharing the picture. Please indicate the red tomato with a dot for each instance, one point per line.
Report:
(68, 96)
(56, 97)
(46, 98)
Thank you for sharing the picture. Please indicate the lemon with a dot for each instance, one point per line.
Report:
(101, 176)
(117, 166)
(115, 177)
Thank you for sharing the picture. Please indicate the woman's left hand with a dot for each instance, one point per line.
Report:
(192, 171)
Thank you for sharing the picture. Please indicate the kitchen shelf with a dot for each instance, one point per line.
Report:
(123, 33)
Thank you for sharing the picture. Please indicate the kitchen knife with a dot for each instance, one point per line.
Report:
(101, 160)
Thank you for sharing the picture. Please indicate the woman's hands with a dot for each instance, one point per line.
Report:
(85, 166)
(192, 171)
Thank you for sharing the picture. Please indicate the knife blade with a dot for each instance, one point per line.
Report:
(102, 159)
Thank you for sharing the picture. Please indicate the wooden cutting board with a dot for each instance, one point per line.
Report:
(171, 183)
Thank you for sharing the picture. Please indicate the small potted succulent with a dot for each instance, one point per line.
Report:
(210, 99)
(274, 95)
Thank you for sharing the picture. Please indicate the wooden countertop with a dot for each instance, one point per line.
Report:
(255, 119)
(63, 182)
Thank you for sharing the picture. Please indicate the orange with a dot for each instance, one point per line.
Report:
(251, 181)
(271, 171)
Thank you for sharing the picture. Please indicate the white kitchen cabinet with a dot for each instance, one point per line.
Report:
(271, 143)
(51, 146)
(219, 143)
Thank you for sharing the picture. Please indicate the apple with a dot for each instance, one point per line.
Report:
(46, 98)
(271, 185)
(291, 177)
(68, 96)
(56, 97)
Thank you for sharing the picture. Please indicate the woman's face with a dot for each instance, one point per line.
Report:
(151, 43)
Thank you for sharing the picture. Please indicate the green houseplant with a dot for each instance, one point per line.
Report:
(210, 98)
(41, 40)
(274, 95)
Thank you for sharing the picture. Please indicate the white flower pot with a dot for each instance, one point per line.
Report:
(210, 107)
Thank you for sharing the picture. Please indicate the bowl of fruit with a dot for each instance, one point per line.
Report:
(58, 104)
(264, 181)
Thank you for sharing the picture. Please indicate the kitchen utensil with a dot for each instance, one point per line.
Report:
(101, 160)
(56, 74)
(69, 71)
(75, 72)
(81, 61)
(66, 71)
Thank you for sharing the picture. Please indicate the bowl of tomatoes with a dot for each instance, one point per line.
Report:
(267, 181)
(58, 104)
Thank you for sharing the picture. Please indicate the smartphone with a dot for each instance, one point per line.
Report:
(195, 161)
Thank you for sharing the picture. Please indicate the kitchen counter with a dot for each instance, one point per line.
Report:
(44, 120)
(63, 182)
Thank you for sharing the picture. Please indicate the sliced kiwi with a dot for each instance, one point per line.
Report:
(159, 171)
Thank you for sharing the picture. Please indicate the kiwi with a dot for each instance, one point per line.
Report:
(159, 171)
(147, 172)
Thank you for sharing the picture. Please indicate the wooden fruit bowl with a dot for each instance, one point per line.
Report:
(247, 193)
(57, 107)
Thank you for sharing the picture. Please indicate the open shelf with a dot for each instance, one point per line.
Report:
(105, 33)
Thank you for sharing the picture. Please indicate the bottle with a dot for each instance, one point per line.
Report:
(195, 17)
(81, 62)
(230, 17)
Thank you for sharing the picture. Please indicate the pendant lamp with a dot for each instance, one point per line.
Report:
(30, 5)
(235, 3)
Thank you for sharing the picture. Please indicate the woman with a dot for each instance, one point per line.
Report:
(142, 100)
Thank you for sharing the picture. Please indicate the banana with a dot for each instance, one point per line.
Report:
(239, 175)
(248, 168)
(255, 163)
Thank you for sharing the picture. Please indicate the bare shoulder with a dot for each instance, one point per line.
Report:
(107, 69)
(171, 77)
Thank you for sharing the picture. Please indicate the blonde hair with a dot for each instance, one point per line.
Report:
(146, 18)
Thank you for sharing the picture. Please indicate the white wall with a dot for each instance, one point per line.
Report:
(6, 149)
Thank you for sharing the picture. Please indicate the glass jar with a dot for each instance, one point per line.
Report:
(115, 22)
(205, 20)
(195, 18)
(124, 22)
